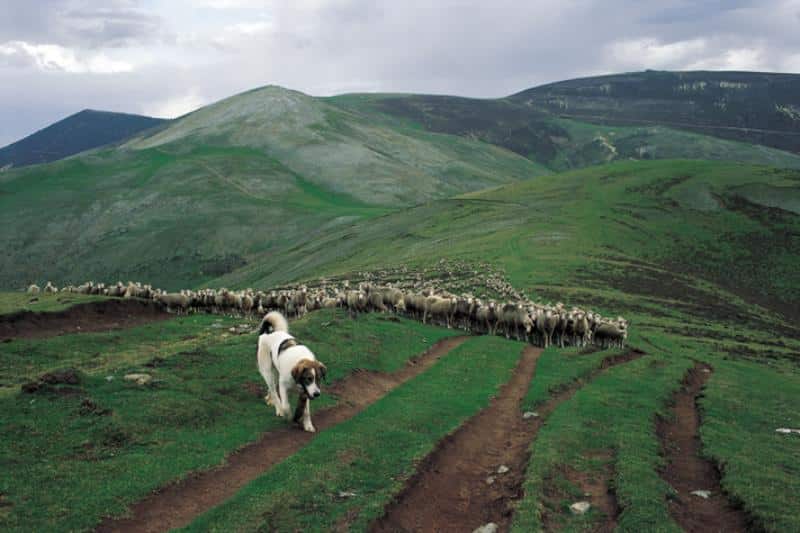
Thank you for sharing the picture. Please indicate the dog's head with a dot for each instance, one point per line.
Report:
(308, 374)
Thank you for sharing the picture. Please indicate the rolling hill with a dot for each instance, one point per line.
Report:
(754, 107)
(82, 131)
(198, 197)
(638, 233)
(240, 185)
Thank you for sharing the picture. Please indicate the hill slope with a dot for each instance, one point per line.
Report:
(754, 107)
(544, 135)
(704, 231)
(244, 181)
(198, 197)
(339, 150)
(82, 131)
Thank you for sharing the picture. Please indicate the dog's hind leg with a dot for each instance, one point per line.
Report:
(284, 408)
(272, 397)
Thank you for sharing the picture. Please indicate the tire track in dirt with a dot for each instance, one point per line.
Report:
(687, 470)
(451, 491)
(103, 315)
(177, 504)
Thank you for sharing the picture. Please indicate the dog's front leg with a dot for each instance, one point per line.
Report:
(303, 411)
(307, 425)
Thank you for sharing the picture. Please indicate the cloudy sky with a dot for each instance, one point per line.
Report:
(167, 57)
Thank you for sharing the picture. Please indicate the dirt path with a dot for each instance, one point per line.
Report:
(178, 504)
(94, 316)
(450, 491)
(687, 470)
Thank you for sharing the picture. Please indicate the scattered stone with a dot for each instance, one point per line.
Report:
(140, 379)
(580, 508)
(232, 330)
(490, 480)
(787, 431)
(109, 378)
(705, 494)
(530, 414)
(346, 494)
(491, 527)
(706, 370)
(503, 469)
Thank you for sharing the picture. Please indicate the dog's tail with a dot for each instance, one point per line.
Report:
(273, 321)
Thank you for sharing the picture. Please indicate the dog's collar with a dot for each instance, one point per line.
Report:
(285, 345)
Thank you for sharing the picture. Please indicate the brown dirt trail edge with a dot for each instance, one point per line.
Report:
(687, 470)
(81, 318)
(176, 505)
(449, 491)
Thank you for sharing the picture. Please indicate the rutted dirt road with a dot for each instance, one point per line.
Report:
(451, 489)
(687, 471)
(178, 504)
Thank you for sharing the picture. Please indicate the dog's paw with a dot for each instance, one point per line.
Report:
(267, 400)
(309, 427)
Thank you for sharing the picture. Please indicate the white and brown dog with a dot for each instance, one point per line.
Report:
(296, 365)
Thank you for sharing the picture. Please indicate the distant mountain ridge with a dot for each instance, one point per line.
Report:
(754, 107)
(82, 131)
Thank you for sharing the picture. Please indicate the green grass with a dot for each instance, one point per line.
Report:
(701, 265)
(620, 230)
(610, 419)
(610, 425)
(743, 405)
(371, 454)
(14, 302)
(558, 368)
(61, 443)
(555, 143)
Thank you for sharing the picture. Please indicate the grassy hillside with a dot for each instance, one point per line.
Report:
(196, 199)
(237, 187)
(340, 151)
(82, 131)
(642, 232)
(544, 135)
(754, 107)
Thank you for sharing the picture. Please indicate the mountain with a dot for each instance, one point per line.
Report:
(754, 107)
(232, 192)
(201, 195)
(82, 131)
(340, 150)
(549, 138)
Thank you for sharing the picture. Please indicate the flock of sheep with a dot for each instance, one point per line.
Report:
(521, 319)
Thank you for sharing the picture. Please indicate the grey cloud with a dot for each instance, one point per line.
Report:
(471, 48)
(79, 23)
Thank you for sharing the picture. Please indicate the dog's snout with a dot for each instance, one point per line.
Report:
(316, 394)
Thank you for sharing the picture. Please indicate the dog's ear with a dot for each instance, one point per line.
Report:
(297, 371)
(323, 371)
